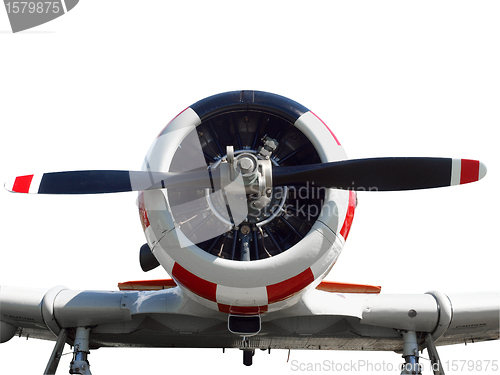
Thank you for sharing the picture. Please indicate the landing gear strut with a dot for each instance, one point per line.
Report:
(434, 356)
(56, 353)
(80, 364)
(410, 354)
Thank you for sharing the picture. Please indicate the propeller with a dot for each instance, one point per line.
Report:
(383, 174)
(107, 181)
(375, 174)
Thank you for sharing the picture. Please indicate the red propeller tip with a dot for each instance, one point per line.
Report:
(23, 184)
(465, 171)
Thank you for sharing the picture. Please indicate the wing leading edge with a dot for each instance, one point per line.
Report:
(321, 320)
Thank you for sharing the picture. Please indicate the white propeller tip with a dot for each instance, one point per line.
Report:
(9, 185)
(482, 170)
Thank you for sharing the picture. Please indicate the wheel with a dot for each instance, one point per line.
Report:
(248, 357)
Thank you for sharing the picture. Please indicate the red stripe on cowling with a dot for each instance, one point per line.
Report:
(242, 310)
(22, 184)
(285, 289)
(195, 284)
(469, 171)
(346, 227)
(326, 127)
(142, 212)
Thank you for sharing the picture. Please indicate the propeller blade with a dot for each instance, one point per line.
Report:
(376, 174)
(383, 174)
(107, 181)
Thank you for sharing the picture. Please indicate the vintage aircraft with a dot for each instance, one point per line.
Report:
(246, 199)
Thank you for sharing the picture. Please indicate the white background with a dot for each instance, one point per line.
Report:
(92, 89)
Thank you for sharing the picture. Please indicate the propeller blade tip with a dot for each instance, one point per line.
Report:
(465, 171)
(20, 184)
(8, 185)
(482, 170)
(23, 184)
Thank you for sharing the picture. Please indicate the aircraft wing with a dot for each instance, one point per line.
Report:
(321, 320)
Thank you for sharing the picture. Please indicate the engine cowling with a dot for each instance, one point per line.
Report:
(254, 257)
